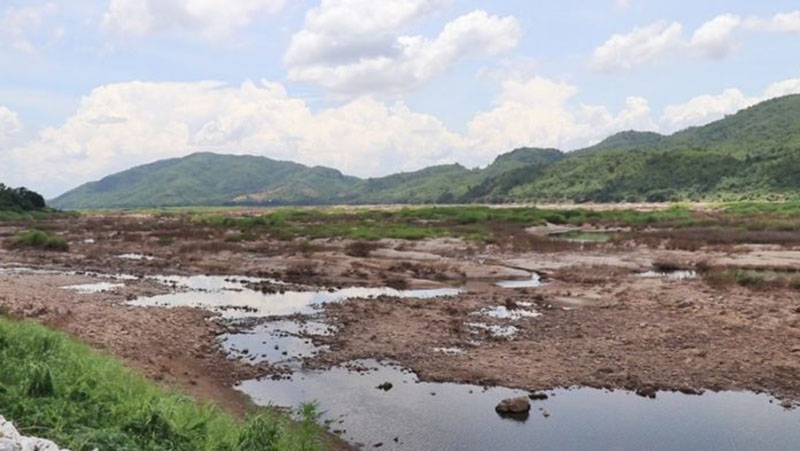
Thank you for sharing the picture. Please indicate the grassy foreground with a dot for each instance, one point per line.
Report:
(54, 387)
(488, 224)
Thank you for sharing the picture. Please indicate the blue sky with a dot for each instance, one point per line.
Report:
(90, 87)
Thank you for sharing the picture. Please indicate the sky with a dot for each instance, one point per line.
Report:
(92, 87)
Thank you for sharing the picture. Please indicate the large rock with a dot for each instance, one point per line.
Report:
(513, 406)
(12, 440)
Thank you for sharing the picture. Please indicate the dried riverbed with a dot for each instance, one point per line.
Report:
(282, 324)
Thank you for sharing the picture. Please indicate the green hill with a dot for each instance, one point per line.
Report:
(209, 179)
(753, 154)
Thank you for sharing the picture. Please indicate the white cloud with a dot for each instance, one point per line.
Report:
(703, 109)
(536, 112)
(782, 88)
(643, 44)
(714, 39)
(355, 47)
(780, 23)
(121, 125)
(10, 124)
(21, 27)
(212, 18)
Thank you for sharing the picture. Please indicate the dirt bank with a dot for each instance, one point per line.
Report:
(176, 346)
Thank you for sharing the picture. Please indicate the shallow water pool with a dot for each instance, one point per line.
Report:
(436, 416)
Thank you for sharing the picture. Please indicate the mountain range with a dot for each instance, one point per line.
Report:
(753, 154)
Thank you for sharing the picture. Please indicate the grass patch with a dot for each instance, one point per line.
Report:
(726, 277)
(470, 222)
(40, 239)
(55, 388)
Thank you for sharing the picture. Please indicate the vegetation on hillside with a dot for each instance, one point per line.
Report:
(752, 155)
(55, 388)
(20, 199)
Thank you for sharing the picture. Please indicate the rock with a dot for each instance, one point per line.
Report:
(690, 391)
(386, 386)
(513, 406)
(647, 392)
(537, 396)
(12, 440)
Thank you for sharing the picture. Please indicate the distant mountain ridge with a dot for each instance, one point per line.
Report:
(753, 154)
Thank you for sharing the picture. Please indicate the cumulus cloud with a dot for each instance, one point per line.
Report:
(355, 47)
(714, 39)
(22, 26)
(780, 23)
(120, 125)
(536, 112)
(10, 124)
(212, 18)
(643, 44)
(703, 109)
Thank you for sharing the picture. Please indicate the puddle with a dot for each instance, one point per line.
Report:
(276, 342)
(445, 416)
(495, 330)
(209, 283)
(502, 312)
(676, 275)
(534, 281)
(136, 257)
(230, 297)
(89, 288)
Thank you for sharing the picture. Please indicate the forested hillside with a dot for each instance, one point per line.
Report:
(754, 154)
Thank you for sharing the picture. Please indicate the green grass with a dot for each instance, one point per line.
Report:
(470, 222)
(16, 215)
(40, 239)
(54, 387)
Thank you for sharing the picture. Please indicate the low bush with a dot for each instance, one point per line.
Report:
(40, 239)
(360, 249)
